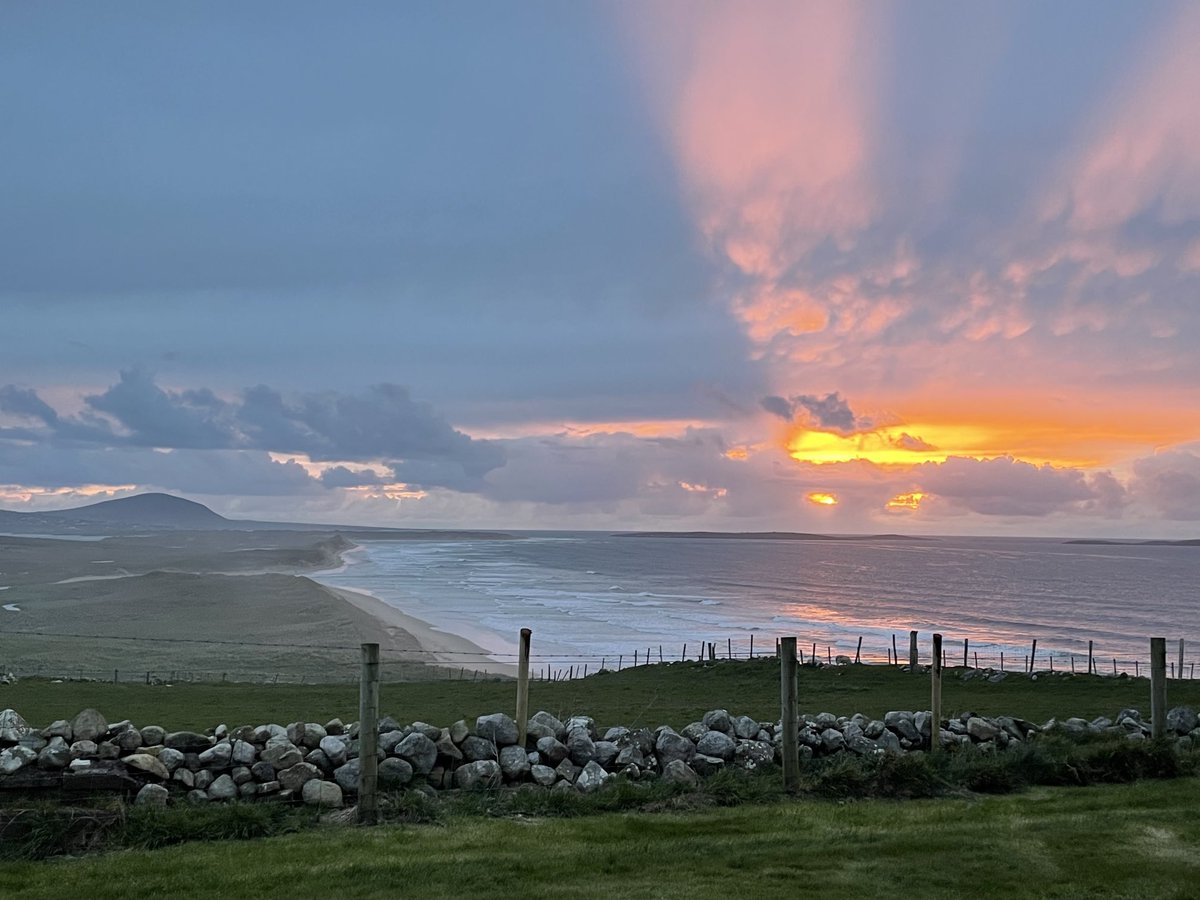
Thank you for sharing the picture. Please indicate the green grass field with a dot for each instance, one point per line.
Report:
(1114, 841)
(673, 694)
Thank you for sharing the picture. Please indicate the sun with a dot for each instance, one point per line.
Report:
(822, 499)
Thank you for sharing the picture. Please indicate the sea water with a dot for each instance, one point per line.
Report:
(592, 598)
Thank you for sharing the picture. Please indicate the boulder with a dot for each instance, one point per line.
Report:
(144, 762)
(389, 740)
(58, 728)
(203, 778)
(152, 735)
(707, 765)
(585, 722)
(902, 723)
(718, 720)
(498, 728)
(15, 758)
(320, 760)
(981, 729)
(513, 763)
(394, 773)
(152, 795)
(430, 731)
(335, 726)
(745, 728)
(183, 776)
(1182, 720)
(475, 748)
(832, 740)
(294, 777)
(243, 753)
(552, 750)
(679, 772)
(606, 753)
(222, 788)
(217, 756)
(241, 775)
(322, 793)
(543, 775)
(262, 771)
(335, 750)
(282, 755)
(670, 747)
(89, 725)
(718, 744)
(12, 726)
(542, 724)
(347, 776)
(580, 747)
(187, 741)
(446, 747)
(567, 771)
(459, 731)
(84, 750)
(592, 778)
(129, 740)
(693, 731)
(419, 751)
(753, 755)
(478, 775)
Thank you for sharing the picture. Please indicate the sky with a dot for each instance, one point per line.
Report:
(921, 267)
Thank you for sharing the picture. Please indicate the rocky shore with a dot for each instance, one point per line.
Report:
(318, 763)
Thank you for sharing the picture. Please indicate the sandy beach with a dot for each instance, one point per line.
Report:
(223, 605)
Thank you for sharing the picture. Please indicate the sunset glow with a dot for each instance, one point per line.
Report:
(781, 265)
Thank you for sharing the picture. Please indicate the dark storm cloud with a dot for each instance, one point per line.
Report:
(830, 412)
(384, 423)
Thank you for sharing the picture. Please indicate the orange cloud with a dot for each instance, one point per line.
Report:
(769, 113)
(822, 499)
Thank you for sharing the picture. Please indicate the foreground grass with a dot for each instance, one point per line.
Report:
(674, 694)
(1112, 841)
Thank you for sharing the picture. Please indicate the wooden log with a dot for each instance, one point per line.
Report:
(1158, 687)
(368, 735)
(789, 714)
(523, 684)
(912, 651)
(935, 724)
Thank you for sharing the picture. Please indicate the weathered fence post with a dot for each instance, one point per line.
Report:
(368, 735)
(523, 686)
(966, 644)
(895, 655)
(1158, 687)
(912, 651)
(935, 725)
(1181, 659)
(752, 650)
(858, 650)
(1033, 657)
(789, 715)
(1091, 665)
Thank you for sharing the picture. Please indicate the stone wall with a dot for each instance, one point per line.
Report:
(318, 763)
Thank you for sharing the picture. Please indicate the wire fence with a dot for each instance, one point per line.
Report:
(19, 657)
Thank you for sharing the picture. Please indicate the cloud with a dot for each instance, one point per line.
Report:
(1169, 483)
(383, 424)
(1009, 487)
(829, 413)
(907, 441)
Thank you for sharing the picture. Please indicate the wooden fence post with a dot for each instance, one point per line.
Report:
(895, 655)
(368, 735)
(966, 644)
(789, 715)
(523, 686)
(1158, 687)
(912, 651)
(858, 650)
(1091, 665)
(1181, 659)
(1033, 657)
(935, 725)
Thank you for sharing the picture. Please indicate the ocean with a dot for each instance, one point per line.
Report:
(591, 598)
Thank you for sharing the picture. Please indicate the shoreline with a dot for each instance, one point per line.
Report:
(441, 648)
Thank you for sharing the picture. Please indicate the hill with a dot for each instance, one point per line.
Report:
(151, 511)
